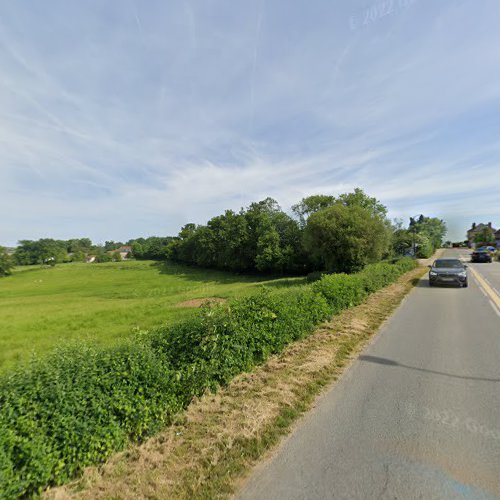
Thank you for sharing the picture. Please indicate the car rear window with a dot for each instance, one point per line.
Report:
(448, 263)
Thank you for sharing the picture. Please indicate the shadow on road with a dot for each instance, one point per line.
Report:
(420, 282)
(424, 283)
(390, 362)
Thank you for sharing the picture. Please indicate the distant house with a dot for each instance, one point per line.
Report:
(476, 229)
(125, 251)
(497, 238)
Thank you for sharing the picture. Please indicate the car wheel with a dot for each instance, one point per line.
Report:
(431, 283)
(466, 284)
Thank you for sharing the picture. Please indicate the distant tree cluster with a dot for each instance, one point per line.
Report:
(50, 251)
(47, 250)
(152, 248)
(422, 237)
(261, 238)
(337, 234)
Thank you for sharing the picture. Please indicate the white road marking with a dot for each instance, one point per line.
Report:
(495, 308)
(490, 292)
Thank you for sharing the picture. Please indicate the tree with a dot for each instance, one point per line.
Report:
(345, 238)
(6, 263)
(310, 205)
(154, 247)
(137, 250)
(402, 241)
(78, 256)
(359, 198)
(41, 251)
(117, 257)
(103, 257)
(485, 237)
(79, 245)
(431, 227)
(423, 246)
(259, 238)
(112, 245)
(269, 256)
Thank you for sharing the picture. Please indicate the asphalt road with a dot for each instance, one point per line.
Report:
(416, 416)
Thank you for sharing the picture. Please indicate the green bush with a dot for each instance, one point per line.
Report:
(341, 290)
(226, 340)
(346, 290)
(314, 276)
(405, 264)
(79, 405)
(376, 276)
(102, 258)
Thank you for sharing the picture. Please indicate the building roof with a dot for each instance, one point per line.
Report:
(479, 227)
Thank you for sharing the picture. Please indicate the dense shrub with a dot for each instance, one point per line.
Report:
(345, 290)
(405, 264)
(376, 276)
(314, 276)
(227, 339)
(75, 408)
(341, 290)
(103, 257)
(79, 405)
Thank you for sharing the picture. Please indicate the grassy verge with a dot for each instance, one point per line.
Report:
(213, 446)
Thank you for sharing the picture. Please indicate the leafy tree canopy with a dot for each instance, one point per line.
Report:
(485, 237)
(6, 263)
(432, 227)
(344, 238)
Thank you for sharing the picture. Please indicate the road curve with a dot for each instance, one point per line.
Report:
(416, 416)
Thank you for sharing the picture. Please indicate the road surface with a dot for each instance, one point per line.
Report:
(416, 416)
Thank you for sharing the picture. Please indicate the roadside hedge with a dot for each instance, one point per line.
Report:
(80, 404)
(75, 408)
(228, 339)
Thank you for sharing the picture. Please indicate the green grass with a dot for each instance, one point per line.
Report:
(103, 303)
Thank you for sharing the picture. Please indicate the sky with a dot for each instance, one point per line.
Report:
(130, 118)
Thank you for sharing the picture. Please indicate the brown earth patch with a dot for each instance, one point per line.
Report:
(211, 448)
(208, 301)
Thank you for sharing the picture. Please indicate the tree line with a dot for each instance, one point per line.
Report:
(52, 251)
(323, 233)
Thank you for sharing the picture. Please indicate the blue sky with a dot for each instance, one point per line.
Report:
(121, 119)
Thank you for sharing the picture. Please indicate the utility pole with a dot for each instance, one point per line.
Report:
(413, 226)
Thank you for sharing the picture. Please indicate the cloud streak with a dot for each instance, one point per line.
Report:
(116, 123)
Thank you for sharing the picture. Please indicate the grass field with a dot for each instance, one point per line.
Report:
(103, 303)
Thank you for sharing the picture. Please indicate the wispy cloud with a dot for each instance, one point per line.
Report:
(117, 121)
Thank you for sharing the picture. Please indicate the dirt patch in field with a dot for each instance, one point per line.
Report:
(216, 442)
(210, 301)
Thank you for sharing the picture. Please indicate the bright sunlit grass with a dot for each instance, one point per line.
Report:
(102, 303)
